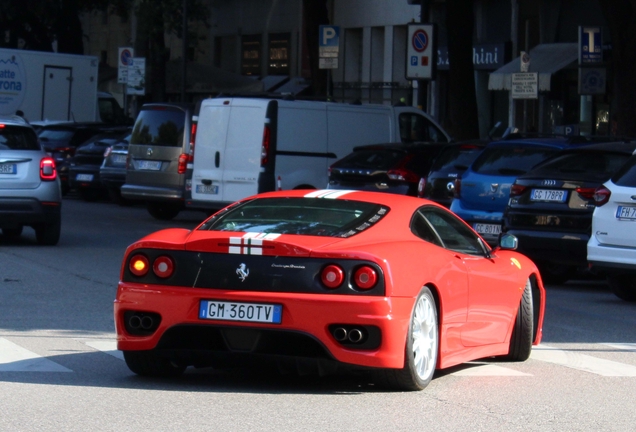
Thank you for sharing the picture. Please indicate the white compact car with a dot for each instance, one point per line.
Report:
(612, 245)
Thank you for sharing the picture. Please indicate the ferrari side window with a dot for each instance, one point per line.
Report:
(423, 229)
(454, 234)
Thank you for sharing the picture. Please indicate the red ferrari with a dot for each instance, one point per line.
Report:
(395, 284)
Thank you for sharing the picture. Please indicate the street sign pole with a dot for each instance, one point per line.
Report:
(328, 47)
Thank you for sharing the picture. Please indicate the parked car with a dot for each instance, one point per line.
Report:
(60, 139)
(30, 189)
(612, 245)
(393, 168)
(84, 174)
(439, 183)
(112, 172)
(550, 207)
(482, 192)
(364, 279)
(158, 155)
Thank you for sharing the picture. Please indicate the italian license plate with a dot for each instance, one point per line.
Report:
(149, 165)
(8, 168)
(487, 228)
(623, 212)
(548, 195)
(207, 189)
(248, 312)
(119, 159)
(84, 177)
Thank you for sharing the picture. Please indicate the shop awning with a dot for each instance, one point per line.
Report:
(545, 59)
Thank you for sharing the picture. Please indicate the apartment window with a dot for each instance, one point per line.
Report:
(251, 55)
(279, 54)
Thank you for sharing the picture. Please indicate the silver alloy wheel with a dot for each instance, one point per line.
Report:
(424, 335)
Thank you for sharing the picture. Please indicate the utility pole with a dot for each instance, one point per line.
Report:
(422, 85)
(184, 59)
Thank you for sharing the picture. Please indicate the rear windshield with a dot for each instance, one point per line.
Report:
(510, 160)
(56, 134)
(586, 162)
(626, 175)
(380, 159)
(456, 157)
(18, 138)
(304, 216)
(159, 127)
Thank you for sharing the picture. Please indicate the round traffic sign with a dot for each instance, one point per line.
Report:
(126, 57)
(419, 40)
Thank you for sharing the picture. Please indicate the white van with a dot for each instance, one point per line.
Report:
(245, 146)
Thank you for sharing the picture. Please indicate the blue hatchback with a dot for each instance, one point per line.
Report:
(482, 193)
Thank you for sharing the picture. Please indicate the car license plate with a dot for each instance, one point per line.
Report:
(84, 177)
(232, 311)
(8, 168)
(487, 228)
(149, 165)
(207, 189)
(628, 213)
(548, 195)
(119, 159)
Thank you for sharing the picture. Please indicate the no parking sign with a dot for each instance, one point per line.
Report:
(420, 53)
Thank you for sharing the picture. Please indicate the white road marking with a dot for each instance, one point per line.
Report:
(582, 362)
(486, 369)
(14, 358)
(622, 346)
(106, 346)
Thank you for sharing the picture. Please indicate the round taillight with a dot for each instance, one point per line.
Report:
(139, 265)
(602, 196)
(365, 277)
(420, 187)
(332, 276)
(163, 267)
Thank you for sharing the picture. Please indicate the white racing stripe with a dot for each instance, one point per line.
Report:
(106, 346)
(14, 358)
(327, 193)
(582, 362)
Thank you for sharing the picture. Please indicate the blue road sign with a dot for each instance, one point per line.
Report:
(590, 45)
(329, 36)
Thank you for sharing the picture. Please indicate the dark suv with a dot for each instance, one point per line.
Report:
(550, 207)
(30, 190)
(394, 168)
(158, 155)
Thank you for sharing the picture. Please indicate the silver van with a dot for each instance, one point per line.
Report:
(157, 158)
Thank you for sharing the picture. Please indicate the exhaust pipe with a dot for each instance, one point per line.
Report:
(147, 322)
(340, 334)
(355, 336)
(134, 322)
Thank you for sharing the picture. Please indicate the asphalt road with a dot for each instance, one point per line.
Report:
(59, 369)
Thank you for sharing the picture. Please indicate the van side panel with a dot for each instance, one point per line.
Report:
(241, 162)
(301, 155)
(209, 145)
(355, 125)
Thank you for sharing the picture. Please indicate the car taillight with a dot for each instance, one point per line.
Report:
(587, 193)
(402, 175)
(183, 163)
(138, 265)
(458, 188)
(193, 136)
(47, 169)
(107, 151)
(420, 187)
(601, 196)
(163, 267)
(517, 189)
(365, 277)
(332, 276)
(265, 145)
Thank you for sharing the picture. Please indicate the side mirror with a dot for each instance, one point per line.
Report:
(508, 242)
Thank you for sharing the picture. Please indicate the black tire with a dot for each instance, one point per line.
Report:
(521, 339)
(48, 234)
(163, 211)
(148, 363)
(12, 232)
(412, 376)
(556, 274)
(623, 286)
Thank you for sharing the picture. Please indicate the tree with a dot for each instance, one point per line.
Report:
(620, 16)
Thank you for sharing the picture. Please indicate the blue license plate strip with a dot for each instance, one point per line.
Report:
(8, 168)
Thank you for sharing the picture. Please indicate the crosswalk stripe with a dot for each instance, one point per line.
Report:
(582, 362)
(106, 346)
(14, 358)
(476, 369)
